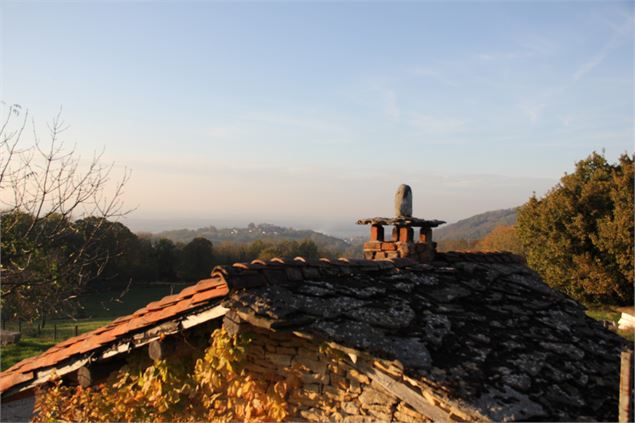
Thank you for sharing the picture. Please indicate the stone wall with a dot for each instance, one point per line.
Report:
(329, 386)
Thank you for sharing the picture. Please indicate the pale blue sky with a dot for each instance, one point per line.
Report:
(313, 113)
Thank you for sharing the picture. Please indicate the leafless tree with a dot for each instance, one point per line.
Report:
(55, 209)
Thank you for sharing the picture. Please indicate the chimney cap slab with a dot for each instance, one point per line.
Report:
(401, 221)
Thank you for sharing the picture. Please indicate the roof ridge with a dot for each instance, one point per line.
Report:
(503, 257)
(283, 270)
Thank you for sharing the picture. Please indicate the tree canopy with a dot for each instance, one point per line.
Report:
(579, 236)
(502, 238)
(196, 260)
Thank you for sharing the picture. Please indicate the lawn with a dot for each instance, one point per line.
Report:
(27, 347)
(604, 314)
(612, 316)
(99, 308)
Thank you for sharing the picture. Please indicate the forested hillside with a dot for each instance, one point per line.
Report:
(253, 232)
(476, 227)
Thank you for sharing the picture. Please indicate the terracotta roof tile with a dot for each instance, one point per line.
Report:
(8, 380)
(166, 308)
(169, 300)
(189, 291)
(311, 262)
(225, 271)
(172, 310)
(121, 319)
(296, 262)
(140, 312)
(249, 266)
(206, 295)
(45, 361)
(20, 364)
(74, 339)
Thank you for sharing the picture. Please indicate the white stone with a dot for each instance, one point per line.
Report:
(626, 322)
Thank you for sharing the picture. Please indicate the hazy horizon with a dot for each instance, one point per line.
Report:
(339, 229)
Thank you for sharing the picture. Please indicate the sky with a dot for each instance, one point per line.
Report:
(310, 114)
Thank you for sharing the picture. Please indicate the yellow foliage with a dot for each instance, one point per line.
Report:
(218, 390)
(502, 238)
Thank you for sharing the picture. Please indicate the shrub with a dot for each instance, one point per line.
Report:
(217, 388)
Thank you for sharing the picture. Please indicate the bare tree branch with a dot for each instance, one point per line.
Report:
(56, 211)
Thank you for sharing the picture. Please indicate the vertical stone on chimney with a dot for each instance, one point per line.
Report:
(403, 201)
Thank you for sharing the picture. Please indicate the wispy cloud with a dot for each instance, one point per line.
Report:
(280, 128)
(533, 110)
(291, 120)
(534, 107)
(435, 73)
(620, 33)
(378, 92)
(588, 66)
(529, 47)
(392, 108)
(566, 120)
(385, 98)
(222, 132)
(438, 125)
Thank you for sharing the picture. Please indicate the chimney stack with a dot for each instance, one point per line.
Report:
(402, 243)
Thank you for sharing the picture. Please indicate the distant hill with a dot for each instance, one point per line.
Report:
(476, 227)
(253, 232)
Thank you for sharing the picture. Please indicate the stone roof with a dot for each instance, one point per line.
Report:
(481, 327)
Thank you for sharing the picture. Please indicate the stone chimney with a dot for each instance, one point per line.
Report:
(402, 243)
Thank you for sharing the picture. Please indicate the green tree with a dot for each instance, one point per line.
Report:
(445, 245)
(308, 249)
(166, 256)
(146, 267)
(196, 260)
(579, 237)
(43, 265)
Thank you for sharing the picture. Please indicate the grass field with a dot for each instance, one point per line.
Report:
(100, 308)
(604, 314)
(612, 316)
